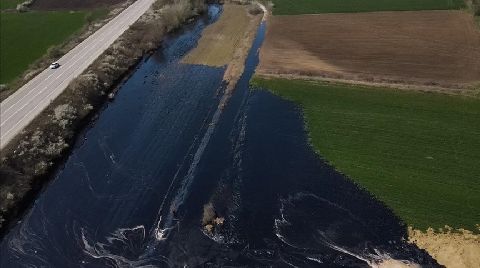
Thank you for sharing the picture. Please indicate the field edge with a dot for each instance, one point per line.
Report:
(260, 82)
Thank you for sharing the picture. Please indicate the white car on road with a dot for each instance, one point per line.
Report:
(54, 65)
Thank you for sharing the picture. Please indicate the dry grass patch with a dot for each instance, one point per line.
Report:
(439, 48)
(220, 40)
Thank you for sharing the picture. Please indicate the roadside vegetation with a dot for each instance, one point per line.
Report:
(29, 158)
(417, 152)
(474, 6)
(291, 7)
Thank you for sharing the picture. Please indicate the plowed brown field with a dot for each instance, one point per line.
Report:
(427, 47)
(73, 4)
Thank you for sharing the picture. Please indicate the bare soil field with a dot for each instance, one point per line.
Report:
(437, 48)
(73, 4)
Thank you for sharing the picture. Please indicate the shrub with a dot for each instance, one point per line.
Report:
(64, 114)
(176, 13)
(254, 9)
(54, 52)
(476, 7)
(22, 8)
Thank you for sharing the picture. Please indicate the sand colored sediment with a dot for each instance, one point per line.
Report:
(454, 249)
(416, 47)
(395, 264)
(227, 42)
(220, 40)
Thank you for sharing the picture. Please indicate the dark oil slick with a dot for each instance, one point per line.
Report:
(133, 190)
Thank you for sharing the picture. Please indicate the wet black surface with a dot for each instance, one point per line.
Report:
(132, 193)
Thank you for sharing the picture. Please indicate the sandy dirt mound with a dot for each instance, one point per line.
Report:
(73, 4)
(460, 249)
(427, 47)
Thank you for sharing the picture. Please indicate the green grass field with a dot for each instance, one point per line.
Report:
(417, 152)
(27, 36)
(290, 7)
(9, 4)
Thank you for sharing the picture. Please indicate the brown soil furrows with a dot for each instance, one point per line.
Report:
(422, 47)
(73, 4)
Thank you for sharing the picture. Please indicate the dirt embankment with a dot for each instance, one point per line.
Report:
(433, 48)
(228, 41)
(454, 249)
(28, 160)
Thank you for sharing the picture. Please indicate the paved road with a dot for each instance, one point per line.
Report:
(18, 110)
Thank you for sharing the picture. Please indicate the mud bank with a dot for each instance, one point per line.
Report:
(29, 160)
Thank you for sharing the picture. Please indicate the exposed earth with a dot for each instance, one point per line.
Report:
(425, 48)
(454, 249)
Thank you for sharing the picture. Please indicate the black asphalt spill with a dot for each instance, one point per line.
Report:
(133, 190)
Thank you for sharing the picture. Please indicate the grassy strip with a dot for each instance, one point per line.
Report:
(220, 40)
(27, 36)
(417, 152)
(290, 7)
